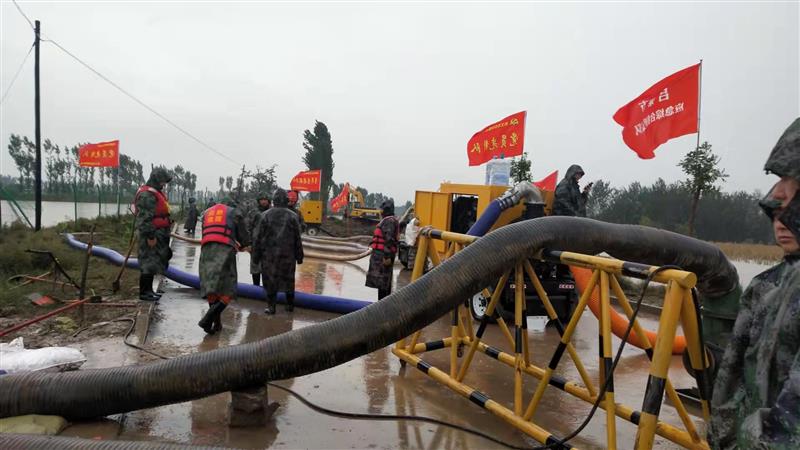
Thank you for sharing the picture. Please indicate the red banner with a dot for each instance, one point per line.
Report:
(548, 183)
(505, 137)
(665, 111)
(341, 199)
(103, 154)
(308, 181)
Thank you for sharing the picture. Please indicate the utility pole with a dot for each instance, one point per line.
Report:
(38, 133)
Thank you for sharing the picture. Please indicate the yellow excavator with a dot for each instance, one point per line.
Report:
(358, 207)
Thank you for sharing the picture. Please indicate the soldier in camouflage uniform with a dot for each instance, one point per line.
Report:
(253, 214)
(190, 224)
(153, 225)
(278, 246)
(224, 232)
(384, 248)
(756, 399)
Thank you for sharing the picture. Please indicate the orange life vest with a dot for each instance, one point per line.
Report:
(161, 214)
(378, 240)
(218, 226)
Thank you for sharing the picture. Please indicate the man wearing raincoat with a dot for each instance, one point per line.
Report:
(153, 223)
(756, 399)
(253, 214)
(384, 248)
(569, 200)
(224, 233)
(278, 245)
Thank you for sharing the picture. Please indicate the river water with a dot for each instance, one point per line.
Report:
(56, 212)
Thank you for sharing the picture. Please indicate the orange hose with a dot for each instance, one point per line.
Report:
(619, 323)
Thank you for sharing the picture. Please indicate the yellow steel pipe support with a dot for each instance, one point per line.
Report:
(419, 268)
(607, 376)
(519, 298)
(448, 236)
(651, 406)
(625, 412)
(683, 278)
(622, 299)
(565, 338)
(551, 312)
(479, 398)
(422, 348)
(489, 311)
(697, 355)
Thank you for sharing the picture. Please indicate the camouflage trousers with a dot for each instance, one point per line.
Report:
(154, 260)
(218, 270)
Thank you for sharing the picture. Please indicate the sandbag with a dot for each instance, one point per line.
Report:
(15, 358)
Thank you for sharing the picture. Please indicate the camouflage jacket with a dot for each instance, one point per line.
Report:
(756, 401)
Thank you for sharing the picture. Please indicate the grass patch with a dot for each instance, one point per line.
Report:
(760, 253)
(111, 232)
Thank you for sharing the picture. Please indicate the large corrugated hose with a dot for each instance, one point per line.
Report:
(32, 442)
(99, 392)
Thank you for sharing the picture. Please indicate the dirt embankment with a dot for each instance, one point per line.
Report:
(18, 290)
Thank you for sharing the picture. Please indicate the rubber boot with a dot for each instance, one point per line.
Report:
(256, 279)
(207, 322)
(289, 302)
(271, 306)
(146, 288)
(217, 322)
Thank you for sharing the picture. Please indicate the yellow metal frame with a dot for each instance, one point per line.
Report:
(678, 307)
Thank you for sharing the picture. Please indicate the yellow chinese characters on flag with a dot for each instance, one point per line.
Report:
(308, 181)
(503, 138)
(103, 154)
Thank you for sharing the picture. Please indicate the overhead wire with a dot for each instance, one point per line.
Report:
(14, 78)
(128, 94)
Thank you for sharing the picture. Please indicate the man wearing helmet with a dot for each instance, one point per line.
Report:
(153, 224)
(384, 248)
(756, 400)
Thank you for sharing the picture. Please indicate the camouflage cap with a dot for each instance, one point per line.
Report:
(192, 200)
(784, 160)
(228, 201)
(262, 196)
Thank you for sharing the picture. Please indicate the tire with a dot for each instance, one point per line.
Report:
(312, 231)
(477, 305)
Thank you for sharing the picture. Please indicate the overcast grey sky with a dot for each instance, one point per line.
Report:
(402, 87)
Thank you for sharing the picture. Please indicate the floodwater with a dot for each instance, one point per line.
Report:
(56, 212)
(374, 383)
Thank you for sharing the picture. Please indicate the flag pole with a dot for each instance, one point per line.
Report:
(699, 99)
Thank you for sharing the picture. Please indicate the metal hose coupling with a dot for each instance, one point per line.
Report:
(524, 191)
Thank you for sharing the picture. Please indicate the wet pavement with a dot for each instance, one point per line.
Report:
(375, 383)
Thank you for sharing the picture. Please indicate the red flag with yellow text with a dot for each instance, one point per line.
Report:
(548, 183)
(667, 110)
(308, 181)
(103, 154)
(342, 199)
(505, 137)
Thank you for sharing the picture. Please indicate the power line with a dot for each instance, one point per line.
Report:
(14, 78)
(128, 94)
(140, 102)
(23, 14)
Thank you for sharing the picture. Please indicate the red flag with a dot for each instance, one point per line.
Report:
(342, 199)
(103, 154)
(667, 110)
(548, 183)
(308, 181)
(505, 137)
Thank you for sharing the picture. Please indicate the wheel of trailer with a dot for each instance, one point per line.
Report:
(312, 231)
(478, 304)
